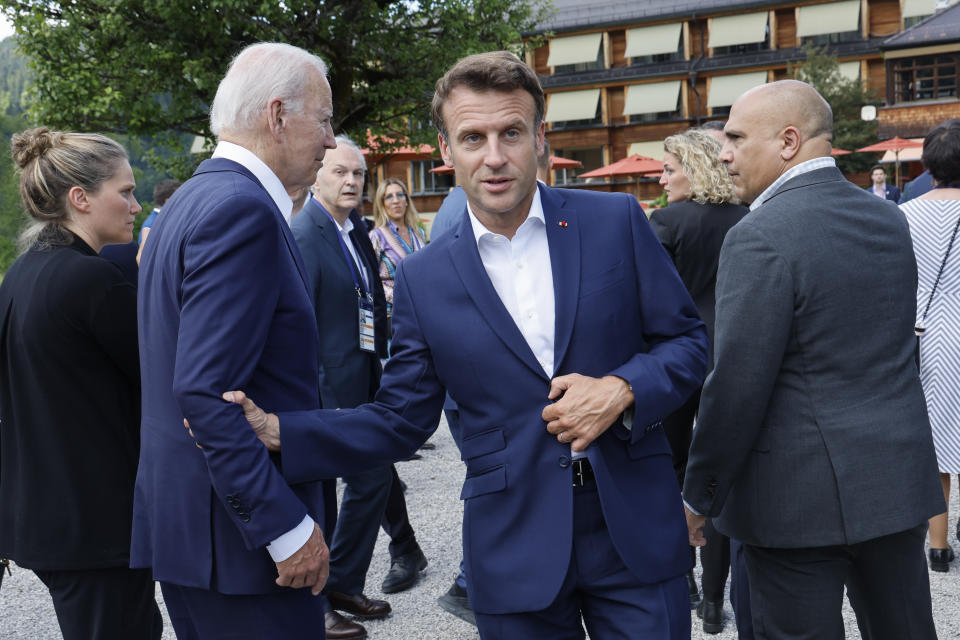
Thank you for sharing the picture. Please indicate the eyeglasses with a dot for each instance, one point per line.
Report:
(395, 196)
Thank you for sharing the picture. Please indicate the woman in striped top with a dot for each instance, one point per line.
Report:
(396, 232)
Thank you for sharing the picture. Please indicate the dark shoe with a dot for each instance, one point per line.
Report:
(940, 559)
(427, 446)
(359, 605)
(958, 530)
(338, 627)
(455, 601)
(712, 615)
(404, 571)
(415, 456)
(694, 589)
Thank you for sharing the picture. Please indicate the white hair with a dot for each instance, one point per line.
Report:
(345, 141)
(258, 74)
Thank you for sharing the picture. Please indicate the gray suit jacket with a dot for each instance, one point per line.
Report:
(348, 376)
(813, 428)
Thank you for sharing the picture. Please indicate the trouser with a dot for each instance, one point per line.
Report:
(396, 520)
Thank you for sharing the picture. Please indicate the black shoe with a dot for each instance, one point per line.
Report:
(428, 446)
(712, 615)
(940, 559)
(455, 601)
(358, 605)
(694, 589)
(404, 571)
(415, 456)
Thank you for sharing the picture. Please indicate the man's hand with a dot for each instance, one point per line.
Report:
(308, 567)
(695, 527)
(588, 407)
(265, 425)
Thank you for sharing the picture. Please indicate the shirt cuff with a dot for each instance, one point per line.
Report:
(692, 510)
(291, 542)
(627, 417)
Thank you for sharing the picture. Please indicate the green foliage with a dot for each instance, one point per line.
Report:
(151, 67)
(845, 97)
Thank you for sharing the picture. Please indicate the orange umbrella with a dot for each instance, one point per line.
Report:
(895, 144)
(839, 152)
(629, 166)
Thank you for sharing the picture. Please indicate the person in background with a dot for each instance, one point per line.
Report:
(70, 389)
(396, 232)
(702, 208)
(161, 193)
(299, 197)
(878, 184)
(916, 187)
(934, 218)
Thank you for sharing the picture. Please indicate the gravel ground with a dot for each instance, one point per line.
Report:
(26, 612)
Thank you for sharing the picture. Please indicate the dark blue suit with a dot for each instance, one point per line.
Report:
(348, 377)
(223, 304)
(890, 192)
(621, 309)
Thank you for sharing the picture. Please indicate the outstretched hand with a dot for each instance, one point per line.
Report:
(265, 425)
(588, 407)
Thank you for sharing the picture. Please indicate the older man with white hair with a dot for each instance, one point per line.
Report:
(224, 303)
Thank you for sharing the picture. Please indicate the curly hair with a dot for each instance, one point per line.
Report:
(699, 156)
(380, 217)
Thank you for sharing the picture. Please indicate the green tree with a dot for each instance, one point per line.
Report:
(845, 97)
(151, 67)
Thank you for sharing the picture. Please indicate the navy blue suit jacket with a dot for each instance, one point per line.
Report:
(348, 376)
(891, 192)
(223, 304)
(621, 309)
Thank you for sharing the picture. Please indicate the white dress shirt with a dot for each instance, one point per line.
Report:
(344, 231)
(522, 276)
(290, 542)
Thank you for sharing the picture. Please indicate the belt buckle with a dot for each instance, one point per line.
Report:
(578, 476)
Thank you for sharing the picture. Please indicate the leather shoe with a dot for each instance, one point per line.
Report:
(359, 605)
(339, 628)
(404, 571)
(940, 559)
(694, 589)
(428, 446)
(455, 601)
(712, 615)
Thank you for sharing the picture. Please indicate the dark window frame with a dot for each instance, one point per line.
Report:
(929, 77)
(424, 183)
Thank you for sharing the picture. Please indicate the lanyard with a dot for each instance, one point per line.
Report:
(358, 282)
(413, 239)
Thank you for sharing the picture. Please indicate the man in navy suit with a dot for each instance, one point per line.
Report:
(224, 302)
(559, 326)
(344, 283)
(879, 187)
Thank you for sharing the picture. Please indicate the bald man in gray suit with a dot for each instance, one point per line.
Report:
(813, 445)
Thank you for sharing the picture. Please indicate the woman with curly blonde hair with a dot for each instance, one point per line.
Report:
(702, 207)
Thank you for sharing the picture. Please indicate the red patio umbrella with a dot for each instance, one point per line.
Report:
(629, 166)
(895, 144)
(839, 152)
(556, 162)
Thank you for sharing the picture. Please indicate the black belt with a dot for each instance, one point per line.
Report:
(582, 472)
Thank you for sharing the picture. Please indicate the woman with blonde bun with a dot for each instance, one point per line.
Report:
(70, 388)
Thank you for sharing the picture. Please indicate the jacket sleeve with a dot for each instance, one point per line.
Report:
(675, 362)
(228, 302)
(755, 300)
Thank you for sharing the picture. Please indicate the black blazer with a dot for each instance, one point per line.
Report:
(70, 410)
(692, 234)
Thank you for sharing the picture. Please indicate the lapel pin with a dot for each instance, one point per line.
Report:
(562, 223)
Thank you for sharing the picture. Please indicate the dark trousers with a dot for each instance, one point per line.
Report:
(598, 591)
(199, 614)
(678, 427)
(106, 604)
(740, 591)
(715, 560)
(798, 593)
(358, 524)
(396, 520)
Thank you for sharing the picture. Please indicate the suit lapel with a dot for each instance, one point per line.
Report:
(466, 260)
(328, 230)
(563, 238)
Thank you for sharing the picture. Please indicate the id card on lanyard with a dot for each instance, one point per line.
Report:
(367, 334)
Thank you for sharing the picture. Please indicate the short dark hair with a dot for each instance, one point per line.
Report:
(941, 152)
(163, 190)
(877, 166)
(713, 125)
(494, 71)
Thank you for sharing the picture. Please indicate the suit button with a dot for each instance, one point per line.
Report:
(245, 517)
(564, 461)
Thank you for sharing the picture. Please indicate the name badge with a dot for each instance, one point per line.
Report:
(367, 333)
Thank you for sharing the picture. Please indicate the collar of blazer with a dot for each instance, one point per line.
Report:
(807, 179)
(563, 240)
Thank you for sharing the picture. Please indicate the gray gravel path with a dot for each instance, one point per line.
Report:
(26, 612)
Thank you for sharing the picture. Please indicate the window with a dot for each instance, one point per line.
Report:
(657, 43)
(652, 102)
(426, 182)
(825, 39)
(576, 53)
(574, 108)
(581, 66)
(830, 23)
(592, 158)
(738, 34)
(926, 77)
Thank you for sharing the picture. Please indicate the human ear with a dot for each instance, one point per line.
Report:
(791, 141)
(77, 197)
(445, 152)
(276, 117)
